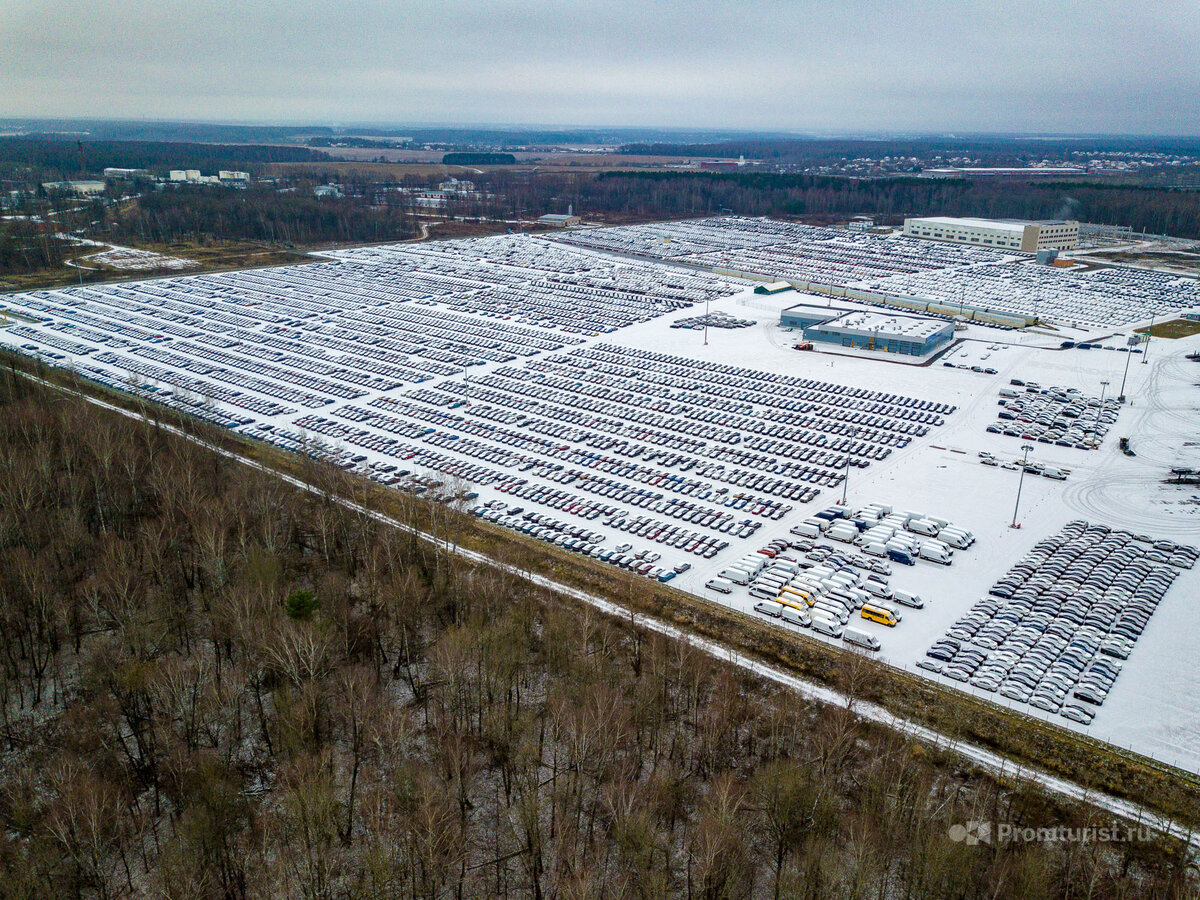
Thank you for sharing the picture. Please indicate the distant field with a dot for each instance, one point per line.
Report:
(1176, 328)
(416, 161)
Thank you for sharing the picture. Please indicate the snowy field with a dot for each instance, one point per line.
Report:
(508, 364)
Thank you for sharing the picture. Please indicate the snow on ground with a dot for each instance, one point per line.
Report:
(1151, 707)
(128, 259)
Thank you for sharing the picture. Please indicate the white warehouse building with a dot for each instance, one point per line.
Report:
(1003, 234)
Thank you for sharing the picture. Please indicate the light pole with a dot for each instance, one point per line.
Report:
(1096, 419)
(1128, 353)
(846, 477)
(705, 321)
(1020, 483)
(1146, 352)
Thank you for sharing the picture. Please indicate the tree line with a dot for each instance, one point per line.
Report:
(213, 685)
(31, 160)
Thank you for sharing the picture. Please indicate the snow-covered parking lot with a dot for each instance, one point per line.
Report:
(545, 385)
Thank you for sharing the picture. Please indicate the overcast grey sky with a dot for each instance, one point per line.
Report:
(940, 65)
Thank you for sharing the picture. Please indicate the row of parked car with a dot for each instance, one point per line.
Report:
(713, 320)
(1052, 294)
(1055, 627)
(1062, 416)
(819, 587)
(900, 535)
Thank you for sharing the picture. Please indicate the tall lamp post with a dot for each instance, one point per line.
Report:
(1020, 483)
(705, 321)
(1129, 353)
(846, 478)
(1096, 420)
(1146, 352)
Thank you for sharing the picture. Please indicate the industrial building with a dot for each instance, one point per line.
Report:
(773, 287)
(559, 220)
(78, 188)
(868, 329)
(803, 315)
(1002, 234)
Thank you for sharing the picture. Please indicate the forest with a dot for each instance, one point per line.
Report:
(214, 685)
(54, 159)
(990, 151)
(819, 198)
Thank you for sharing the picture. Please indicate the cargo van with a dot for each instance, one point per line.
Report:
(824, 625)
(806, 530)
(767, 608)
(938, 553)
(798, 595)
(720, 585)
(844, 533)
(953, 539)
(874, 548)
(828, 609)
(904, 597)
(1008, 393)
(764, 592)
(858, 638)
(796, 617)
(900, 555)
(737, 576)
(876, 588)
(927, 527)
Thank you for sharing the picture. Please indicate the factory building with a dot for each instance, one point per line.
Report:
(773, 287)
(1000, 234)
(871, 330)
(802, 315)
(868, 329)
(78, 188)
(559, 220)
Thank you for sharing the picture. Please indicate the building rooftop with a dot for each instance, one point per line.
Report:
(869, 321)
(998, 224)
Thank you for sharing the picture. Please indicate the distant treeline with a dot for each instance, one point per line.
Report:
(665, 194)
(989, 151)
(368, 143)
(39, 159)
(478, 159)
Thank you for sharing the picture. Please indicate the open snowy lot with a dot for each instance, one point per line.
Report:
(548, 378)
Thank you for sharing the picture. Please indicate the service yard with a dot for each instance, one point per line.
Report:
(569, 389)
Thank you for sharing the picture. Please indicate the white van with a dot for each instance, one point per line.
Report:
(764, 592)
(845, 535)
(953, 538)
(904, 597)
(824, 625)
(938, 553)
(927, 527)
(860, 638)
(828, 610)
(875, 548)
(805, 530)
(877, 588)
(737, 576)
(767, 608)
(796, 617)
(720, 585)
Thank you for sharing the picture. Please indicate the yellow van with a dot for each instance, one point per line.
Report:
(882, 616)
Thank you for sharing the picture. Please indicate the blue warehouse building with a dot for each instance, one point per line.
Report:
(869, 329)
